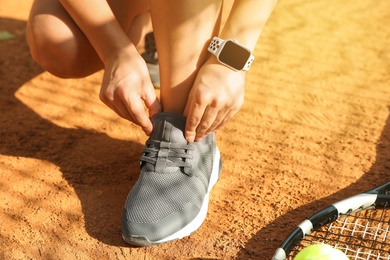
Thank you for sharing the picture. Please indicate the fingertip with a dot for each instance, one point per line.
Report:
(190, 137)
(153, 112)
(147, 127)
(198, 138)
(148, 131)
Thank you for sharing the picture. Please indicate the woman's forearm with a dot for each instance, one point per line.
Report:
(98, 23)
(246, 21)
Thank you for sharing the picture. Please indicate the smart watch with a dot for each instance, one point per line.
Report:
(231, 53)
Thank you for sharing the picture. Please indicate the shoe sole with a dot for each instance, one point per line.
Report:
(196, 222)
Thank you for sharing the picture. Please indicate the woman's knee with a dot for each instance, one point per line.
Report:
(46, 52)
(54, 44)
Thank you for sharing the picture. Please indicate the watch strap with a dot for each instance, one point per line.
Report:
(215, 45)
(249, 63)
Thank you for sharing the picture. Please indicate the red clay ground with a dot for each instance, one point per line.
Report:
(315, 128)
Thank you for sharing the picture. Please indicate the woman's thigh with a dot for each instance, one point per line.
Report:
(58, 44)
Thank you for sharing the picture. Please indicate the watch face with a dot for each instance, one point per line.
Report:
(234, 55)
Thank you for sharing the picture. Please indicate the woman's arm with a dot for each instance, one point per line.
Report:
(98, 23)
(218, 92)
(126, 86)
(247, 20)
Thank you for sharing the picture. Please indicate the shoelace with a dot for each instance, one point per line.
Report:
(171, 154)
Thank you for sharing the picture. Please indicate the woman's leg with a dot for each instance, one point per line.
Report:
(140, 26)
(60, 47)
(182, 30)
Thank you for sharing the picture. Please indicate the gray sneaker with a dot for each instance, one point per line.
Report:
(170, 198)
(151, 58)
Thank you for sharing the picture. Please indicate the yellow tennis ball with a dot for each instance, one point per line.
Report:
(320, 252)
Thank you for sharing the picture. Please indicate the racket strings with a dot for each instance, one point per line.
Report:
(363, 235)
(360, 235)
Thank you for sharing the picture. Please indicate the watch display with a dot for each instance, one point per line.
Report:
(231, 54)
(234, 55)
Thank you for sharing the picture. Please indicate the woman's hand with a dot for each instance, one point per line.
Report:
(127, 89)
(216, 96)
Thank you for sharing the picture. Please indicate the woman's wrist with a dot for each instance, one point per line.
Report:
(113, 53)
(212, 60)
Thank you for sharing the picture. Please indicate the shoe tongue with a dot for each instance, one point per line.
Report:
(168, 127)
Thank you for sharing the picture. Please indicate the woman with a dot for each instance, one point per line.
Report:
(202, 86)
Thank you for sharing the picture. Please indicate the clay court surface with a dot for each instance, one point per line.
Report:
(315, 128)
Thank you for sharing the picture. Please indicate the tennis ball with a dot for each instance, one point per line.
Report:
(320, 252)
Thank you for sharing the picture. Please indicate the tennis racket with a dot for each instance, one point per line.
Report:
(358, 226)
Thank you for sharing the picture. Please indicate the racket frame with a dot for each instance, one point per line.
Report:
(375, 198)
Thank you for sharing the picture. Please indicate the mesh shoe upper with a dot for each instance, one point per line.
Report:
(174, 180)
